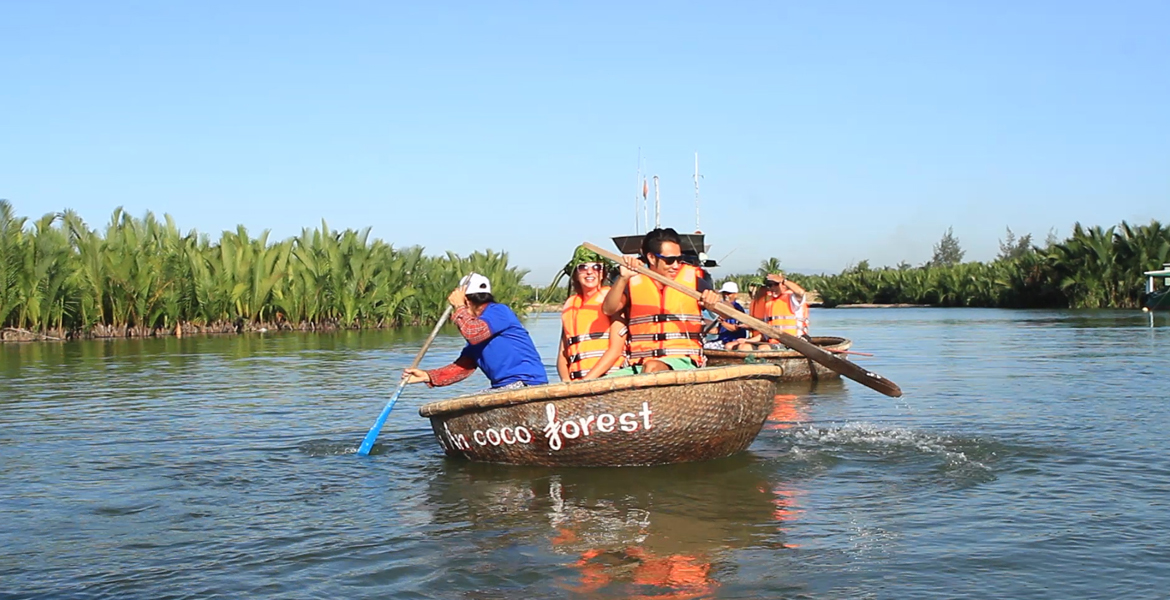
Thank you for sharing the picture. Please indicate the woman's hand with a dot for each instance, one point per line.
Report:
(416, 376)
(457, 298)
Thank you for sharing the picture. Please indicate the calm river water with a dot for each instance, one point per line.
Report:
(1024, 461)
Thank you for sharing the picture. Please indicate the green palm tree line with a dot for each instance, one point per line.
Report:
(1093, 268)
(139, 276)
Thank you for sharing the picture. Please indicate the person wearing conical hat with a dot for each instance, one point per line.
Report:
(592, 343)
(497, 342)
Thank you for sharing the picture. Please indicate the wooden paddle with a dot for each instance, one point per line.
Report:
(707, 330)
(808, 349)
(368, 442)
(709, 327)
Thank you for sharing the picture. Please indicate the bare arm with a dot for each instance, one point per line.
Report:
(795, 287)
(617, 347)
(562, 359)
(616, 300)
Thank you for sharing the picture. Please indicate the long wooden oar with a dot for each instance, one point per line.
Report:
(808, 349)
(368, 443)
(707, 330)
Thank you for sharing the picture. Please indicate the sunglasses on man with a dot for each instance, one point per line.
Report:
(670, 260)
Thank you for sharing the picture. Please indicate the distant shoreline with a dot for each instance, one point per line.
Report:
(882, 306)
(543, 307)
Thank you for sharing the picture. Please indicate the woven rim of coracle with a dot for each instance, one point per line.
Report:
(823, 342)
(555, 391)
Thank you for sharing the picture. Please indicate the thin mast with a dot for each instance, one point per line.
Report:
(657, 205)
(645, 210)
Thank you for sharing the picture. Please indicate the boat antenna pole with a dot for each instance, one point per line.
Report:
(657, 205)
(645, 210)
(697, 228)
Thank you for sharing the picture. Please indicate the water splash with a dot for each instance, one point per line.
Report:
(961, 461)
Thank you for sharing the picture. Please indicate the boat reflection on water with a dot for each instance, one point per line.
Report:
(787, 412)
(654, 532)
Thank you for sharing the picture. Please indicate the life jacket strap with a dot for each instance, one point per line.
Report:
(660, 352)
(596, 335)
(666, 318)
(662, 337)
(584, 355)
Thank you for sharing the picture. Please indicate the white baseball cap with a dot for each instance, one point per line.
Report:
(476, 284)
(729, 287)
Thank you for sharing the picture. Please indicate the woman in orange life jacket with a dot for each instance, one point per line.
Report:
(592, 343)
(665, 324)
(781, 303)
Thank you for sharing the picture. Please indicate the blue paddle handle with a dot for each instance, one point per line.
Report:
(372, 436)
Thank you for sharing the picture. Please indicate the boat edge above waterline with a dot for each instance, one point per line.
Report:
(639, 420)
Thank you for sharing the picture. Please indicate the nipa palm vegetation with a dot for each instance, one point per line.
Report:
(144, 276)
(1093, 268)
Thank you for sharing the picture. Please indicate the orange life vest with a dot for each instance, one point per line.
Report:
(665, 322)
(586, 333)
(788, 312)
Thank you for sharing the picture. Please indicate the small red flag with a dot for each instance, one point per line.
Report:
(645, 188)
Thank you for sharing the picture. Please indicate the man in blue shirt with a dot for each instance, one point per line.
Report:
(731, 331)
(496, 342)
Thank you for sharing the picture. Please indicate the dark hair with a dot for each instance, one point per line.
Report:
(481, 297)
(652, 242)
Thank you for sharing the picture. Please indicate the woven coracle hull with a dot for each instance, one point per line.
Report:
(796, 366)
(660, 418)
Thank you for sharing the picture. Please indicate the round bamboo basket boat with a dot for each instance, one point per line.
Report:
(796, 366)
(650, 419)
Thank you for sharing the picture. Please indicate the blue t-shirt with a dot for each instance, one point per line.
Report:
(508, 355)
(726, 335)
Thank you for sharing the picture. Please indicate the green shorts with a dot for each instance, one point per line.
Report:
(676, 363)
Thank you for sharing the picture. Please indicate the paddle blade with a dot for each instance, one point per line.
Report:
(372, 436)
(368, 443)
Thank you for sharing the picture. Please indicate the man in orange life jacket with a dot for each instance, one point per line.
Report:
(781, 303)
(665, 325)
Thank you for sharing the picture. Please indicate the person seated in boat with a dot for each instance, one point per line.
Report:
(665, 324)
(496, 342)
(731, 332)
(781, 303)
(592, 343)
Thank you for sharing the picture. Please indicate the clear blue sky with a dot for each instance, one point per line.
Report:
(828, 132)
